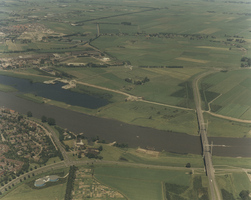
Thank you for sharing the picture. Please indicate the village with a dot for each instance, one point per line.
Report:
(22, 140)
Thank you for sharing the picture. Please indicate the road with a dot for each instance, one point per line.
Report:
(215, 194)
(56, 140)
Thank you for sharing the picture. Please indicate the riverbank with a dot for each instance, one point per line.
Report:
(113, 130)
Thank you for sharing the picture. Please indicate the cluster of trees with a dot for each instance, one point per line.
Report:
(121, 145)
(244, 194)
(137, 82)
(91, 155)
(91, 65)
(126, 23)
(29, 114)
(70, 182)
(51, 121)
(94, 139)
(142, 66)
(246, 62)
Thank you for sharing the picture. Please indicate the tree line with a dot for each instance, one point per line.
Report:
(70, 182)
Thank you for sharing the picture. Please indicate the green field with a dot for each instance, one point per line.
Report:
(164, 82)
(143, 183)
(235, 99)
(7, 88)
(25, 75)
(226, 128)
(32, 97)
(131, 155)
(228, 162)
(24, 192)
(233, 183)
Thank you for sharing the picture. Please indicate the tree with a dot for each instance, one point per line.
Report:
(100, 148)
(51, 121)
(44, 118)
(79, 155)
(29, 114)
(20, 117)
(244, 194)
(188, 165)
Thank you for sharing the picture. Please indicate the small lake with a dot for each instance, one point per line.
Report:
(54, 92)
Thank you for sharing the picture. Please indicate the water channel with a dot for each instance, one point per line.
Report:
(113, 130)
(54, 92)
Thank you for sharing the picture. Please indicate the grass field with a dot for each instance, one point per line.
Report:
(164, 158)
(32, 97)
(25, 75)
(144, 183)
(25, 192)
(234, 183)
(231, 162)
(139, 183)
(235, 93)
(154, 116)
(225, 128)
(163, 81)
(7, 88)
(163, 51)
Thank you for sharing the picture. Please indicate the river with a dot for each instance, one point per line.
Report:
(113, 130)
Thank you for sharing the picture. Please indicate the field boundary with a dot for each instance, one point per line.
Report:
(229, 118)
(209, 106)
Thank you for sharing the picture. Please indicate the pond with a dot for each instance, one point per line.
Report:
(54, 92)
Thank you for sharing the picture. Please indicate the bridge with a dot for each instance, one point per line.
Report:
(207, 156)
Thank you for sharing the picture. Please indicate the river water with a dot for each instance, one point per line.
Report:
(54, 92)
(113, 130)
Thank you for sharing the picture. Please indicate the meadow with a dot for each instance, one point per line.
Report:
(234, 93)
(163, 33)
(7, 88)
(132, 155)
(227, 162)
(233, 183)
(218, 127)
(24, 192)
(32, 97)
(144, 183)
(179, 51)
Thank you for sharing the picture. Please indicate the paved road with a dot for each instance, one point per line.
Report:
(215, 194)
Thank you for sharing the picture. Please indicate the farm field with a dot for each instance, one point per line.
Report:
(163, 84)
(142, 183)
(227, 162)
(134, 155)
(218, 127)
(233, 91)
(179, 51)
(233, 184)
